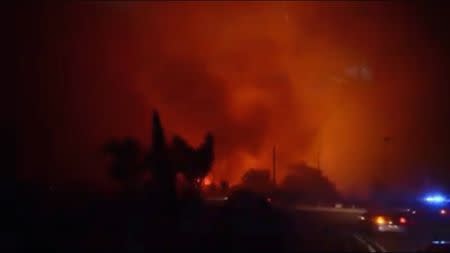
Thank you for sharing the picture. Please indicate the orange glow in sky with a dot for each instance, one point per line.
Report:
(325, 82)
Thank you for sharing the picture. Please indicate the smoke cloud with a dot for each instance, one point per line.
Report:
(315, 80)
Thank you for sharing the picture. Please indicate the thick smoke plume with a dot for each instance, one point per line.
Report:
(314, 80)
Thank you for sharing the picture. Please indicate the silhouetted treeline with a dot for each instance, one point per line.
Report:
(163, 160)
(307, 184)
(257, 180)
(302, 184)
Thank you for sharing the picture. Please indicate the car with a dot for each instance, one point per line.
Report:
(436, 207)
(437, 246)
(384, 221)
(438, 215)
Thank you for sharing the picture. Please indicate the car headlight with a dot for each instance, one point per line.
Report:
(380, 220)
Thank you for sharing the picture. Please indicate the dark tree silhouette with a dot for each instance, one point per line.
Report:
(157, 158)
(257, 180)
(195, 164)
(308, 184)
(203, 159)
(163, 161)
(159, 163)
(127, 164)
(182, 156)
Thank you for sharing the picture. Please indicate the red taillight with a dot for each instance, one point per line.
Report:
(443, 212)
(402, 220)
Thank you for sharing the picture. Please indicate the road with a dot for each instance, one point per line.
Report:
(117, 225)
(326, 231)
(414, 240)
(397, 242)
(342, 223)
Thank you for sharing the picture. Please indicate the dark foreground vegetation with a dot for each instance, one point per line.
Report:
(160, 206)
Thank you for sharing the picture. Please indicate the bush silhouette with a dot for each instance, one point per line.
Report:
(308, 184)
(161, 161)
(126, 165)
(257, 180)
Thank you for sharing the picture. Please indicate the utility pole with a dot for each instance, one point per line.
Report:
(319, 151)
(318, 159)
(274, 166)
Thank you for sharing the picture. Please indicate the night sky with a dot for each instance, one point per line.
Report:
(313, 78)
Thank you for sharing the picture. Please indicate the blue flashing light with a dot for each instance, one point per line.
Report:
(436, 199)
(440, 242)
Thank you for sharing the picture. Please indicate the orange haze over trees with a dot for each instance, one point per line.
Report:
(323, 81)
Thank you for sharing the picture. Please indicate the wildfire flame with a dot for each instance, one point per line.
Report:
(207, 181)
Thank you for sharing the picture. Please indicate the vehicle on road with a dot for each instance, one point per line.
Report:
(435, 207)
(432, 211)
(384, 221)
(437, 246)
